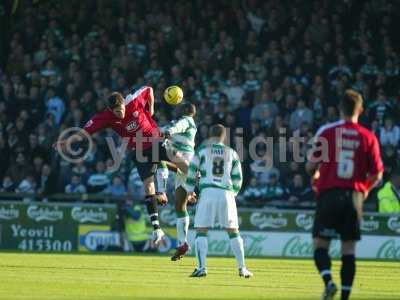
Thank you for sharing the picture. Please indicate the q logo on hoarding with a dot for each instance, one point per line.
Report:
(394, 224)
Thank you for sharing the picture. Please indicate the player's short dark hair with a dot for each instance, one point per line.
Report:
(114, 100)
(217, 130)
(188, 109)
(350, 102)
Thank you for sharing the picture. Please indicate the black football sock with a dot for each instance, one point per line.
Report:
(152, 210)
(323, 264)
(347, 274)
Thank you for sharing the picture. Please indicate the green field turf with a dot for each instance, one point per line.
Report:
(117, 277)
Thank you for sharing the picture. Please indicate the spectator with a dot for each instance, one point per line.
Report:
(7, 185)
(135, 185)
(252, 194)
(82, 171)
(47, 184)
(19, 169)
(154, 73)
(262, 167)
(389, 194)
(380, 109)
(27, 185)
(99, 180)
(273, 190)
(213, 94)
(243, 113)
(369, 69)
(301, 115)
(298, 191)
(117, 187)
(135, 227)
(389, 134)
(332, 114)
(252, 84)
(35, 149)
(265, 107)
(339, 70)
(234, 91)
(110, 168)
(389, 159)
(37, 167)
(75, 187)
(55, 106)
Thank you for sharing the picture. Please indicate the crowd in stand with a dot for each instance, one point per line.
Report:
(263, 68)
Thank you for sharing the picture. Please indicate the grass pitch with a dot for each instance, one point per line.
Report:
(117, 277)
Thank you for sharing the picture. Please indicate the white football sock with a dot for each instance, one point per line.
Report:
(162, 178)
(182, 227)
(238, 250)
(201, 246)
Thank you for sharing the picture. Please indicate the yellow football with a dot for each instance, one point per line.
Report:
(173, 95)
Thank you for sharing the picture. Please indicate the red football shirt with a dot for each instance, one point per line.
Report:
(136, 124)
(349, 153)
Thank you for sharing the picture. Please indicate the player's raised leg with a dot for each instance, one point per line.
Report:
(348, 269)
(323, 263)
(182, 223)
(201, 248)
(161, 181)
(152, 209)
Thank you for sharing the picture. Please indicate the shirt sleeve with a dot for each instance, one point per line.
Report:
(192, 173)
(141, 96)
(95, 124)
(236, 174)
(376, 165)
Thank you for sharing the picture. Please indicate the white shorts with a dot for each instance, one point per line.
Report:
(216, 208)
(180, 179)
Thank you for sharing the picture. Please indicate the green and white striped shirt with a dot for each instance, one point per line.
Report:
(182, 133)
(219, 167)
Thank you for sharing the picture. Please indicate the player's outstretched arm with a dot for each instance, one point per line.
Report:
(95, 124)
(192, 174)
(61, 143)
(151, 101)
(144, 96)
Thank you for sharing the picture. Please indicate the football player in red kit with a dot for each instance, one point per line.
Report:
(131, 118)
(345, 164)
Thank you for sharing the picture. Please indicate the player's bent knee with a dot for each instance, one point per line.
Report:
(321, 243)
(348, 247)
(149, 187)
(180, 206)
(180, 199)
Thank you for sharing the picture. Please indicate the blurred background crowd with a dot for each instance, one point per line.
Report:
(256, 66)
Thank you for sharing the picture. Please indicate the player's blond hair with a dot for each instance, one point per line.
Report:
(218, 131)
(351, 102)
